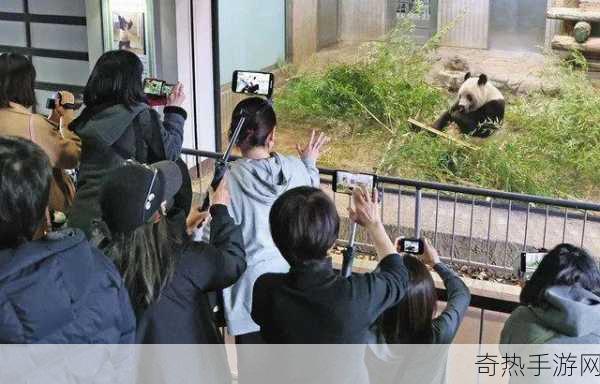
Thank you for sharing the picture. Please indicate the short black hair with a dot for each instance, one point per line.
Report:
(116, 79)
(304, 224)
(17, 80)
(25, 177)
(261, 121)
(564, 265)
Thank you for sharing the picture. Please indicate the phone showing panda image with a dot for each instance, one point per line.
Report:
(253, 83)
(346, 182)
(157, 91)
(411, 246)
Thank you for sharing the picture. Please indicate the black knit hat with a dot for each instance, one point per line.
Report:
(133, 193)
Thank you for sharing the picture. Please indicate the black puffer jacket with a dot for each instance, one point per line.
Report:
(112, 134)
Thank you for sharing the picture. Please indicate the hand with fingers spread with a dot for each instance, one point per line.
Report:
(366, 208)
(366, 213)
(315, 147)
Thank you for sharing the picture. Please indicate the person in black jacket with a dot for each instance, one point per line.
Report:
(313, 303)
(414, 321)
(117, 125)
(54, 288)
(167, 279)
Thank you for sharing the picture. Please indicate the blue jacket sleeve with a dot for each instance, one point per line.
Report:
(446, 325)
(172, 132)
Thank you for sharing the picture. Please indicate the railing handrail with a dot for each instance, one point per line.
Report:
(475, 191)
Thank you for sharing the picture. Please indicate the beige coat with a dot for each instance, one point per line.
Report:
(62, 146)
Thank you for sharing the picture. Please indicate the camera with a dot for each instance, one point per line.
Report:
(253, 83)
(157, 91)
(411, 246)
(345, 182)
(529, 262)
(51, 103)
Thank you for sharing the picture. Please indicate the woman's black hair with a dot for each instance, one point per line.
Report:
(410, 322)
(304, 224)
(17, 80)
(144, 257)
(116, 79)
(260, 122)
(25, 177)
(564, 265)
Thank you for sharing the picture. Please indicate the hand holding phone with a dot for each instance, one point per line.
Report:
(346, 182)
(411, 246)
(176, 95)
(160, 93)
(366, 212)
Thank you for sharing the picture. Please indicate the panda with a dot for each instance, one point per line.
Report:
(479, 110)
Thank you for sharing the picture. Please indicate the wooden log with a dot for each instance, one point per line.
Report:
(427, 128)
(567, 43)
(573, 14)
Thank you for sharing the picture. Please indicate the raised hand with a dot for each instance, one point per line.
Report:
(314, 148)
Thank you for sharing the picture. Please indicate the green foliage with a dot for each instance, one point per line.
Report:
(549, 145)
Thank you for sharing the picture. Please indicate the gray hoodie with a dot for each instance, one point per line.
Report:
(254, 186)
(572, 317)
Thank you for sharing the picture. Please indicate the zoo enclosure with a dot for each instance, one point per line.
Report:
(470, 226)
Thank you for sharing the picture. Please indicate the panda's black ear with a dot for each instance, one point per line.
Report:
(483, 79)
(467, 76)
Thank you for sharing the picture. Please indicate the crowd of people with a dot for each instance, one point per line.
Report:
(136, 262)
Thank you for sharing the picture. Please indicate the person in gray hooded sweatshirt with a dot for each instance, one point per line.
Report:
(117, 124)
(560, 304)
(256, 181)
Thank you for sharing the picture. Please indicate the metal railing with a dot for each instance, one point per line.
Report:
(471, 226)
(474, 227)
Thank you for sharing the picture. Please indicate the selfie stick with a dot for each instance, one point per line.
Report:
(221, 164)
(349, 252)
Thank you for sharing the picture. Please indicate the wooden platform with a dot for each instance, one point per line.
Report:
(567, 43)
(573, 14)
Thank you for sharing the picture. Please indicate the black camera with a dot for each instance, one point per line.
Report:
(51, 104)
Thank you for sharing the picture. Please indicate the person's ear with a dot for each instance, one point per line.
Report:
(271, 140)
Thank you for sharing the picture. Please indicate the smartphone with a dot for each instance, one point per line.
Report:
(157, 88)
(529, 263)
(253, 83)
(51, 103)
(411, 246)
(345, 182)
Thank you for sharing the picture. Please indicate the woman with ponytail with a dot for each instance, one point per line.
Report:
(256, 181)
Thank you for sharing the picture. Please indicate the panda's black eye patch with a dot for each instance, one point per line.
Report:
(470, 98)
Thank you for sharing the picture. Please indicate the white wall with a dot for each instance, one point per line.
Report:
(203, 112)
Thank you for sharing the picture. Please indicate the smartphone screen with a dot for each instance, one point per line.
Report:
(530, 262)
(253, 83)
(153, 87)
(412, 246)
(345, 182)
